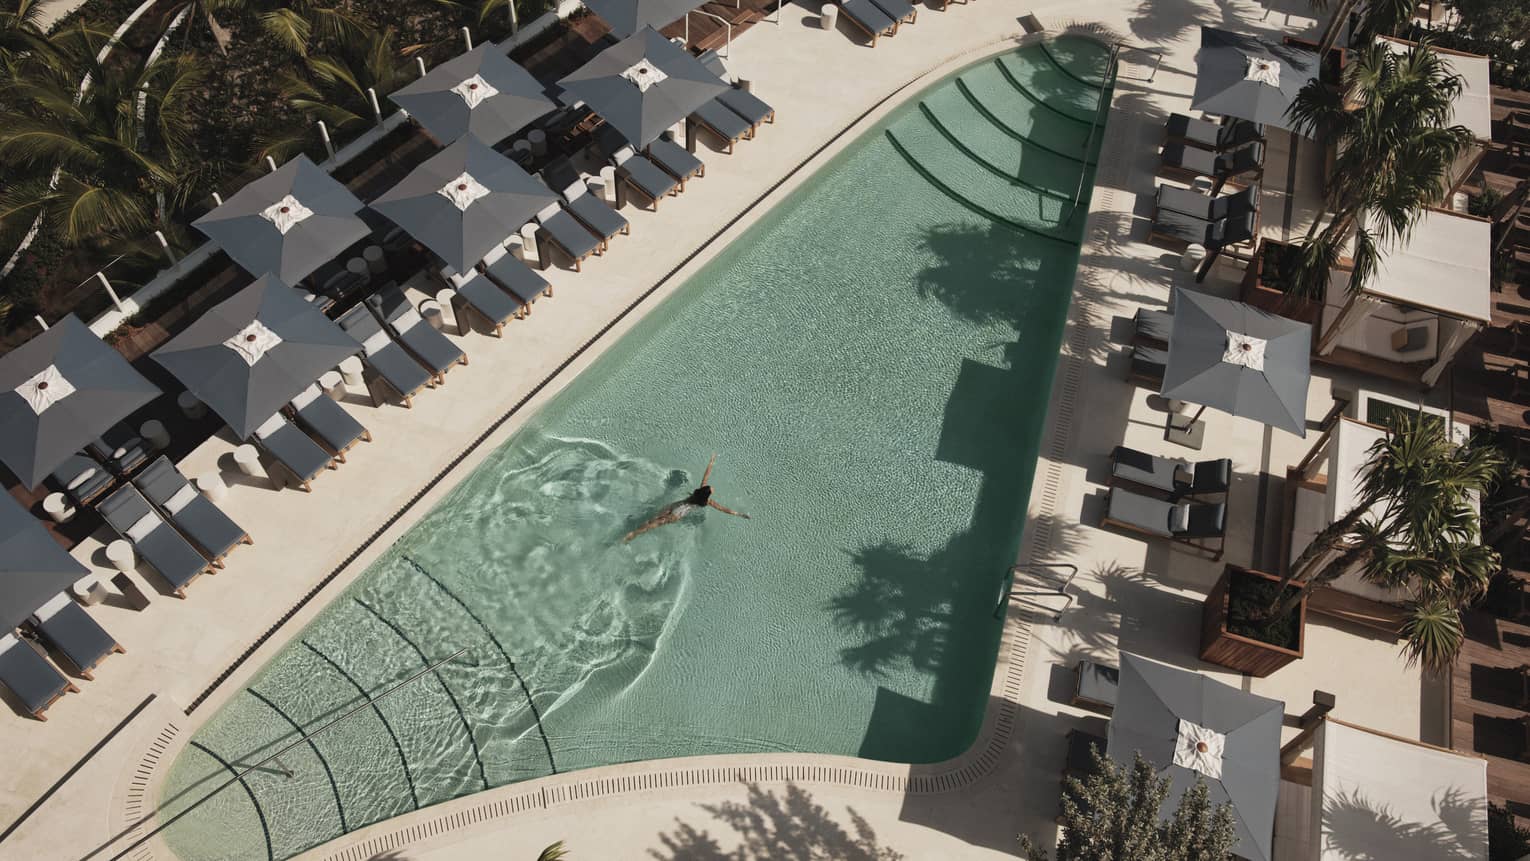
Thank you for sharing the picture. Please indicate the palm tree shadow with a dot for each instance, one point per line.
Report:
(1361, 829)
(771, 827)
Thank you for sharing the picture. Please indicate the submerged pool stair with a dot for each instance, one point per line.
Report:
(1015, 139)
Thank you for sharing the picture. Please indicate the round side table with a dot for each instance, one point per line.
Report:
(154, 433)
(121, 556)
(191, 408)
(89, 590)
(57, 507)
(377, 264)
(351, 372)
(332, 384)
(212, 485)
(247, 458)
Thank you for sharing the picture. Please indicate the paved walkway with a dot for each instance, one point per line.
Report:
(1135, 595)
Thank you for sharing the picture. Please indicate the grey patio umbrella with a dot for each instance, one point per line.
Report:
(642, 85)
(58, 392)
(463, 201)
(483, 92)
(1248, 77)
(33, 568)
(1187, 726)
(254, 352)
(287, 223)
(628, 16)
(1240, 360)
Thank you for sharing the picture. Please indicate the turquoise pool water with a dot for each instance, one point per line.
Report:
(871, 364)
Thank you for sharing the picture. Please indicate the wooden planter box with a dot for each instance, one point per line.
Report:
(1255, 292)
(1237, 652)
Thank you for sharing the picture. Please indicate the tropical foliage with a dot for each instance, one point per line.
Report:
(1414, 527)
(1390, 126)
(1114, 813)
(555, 852)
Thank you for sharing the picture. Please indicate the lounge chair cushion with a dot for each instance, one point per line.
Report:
(1140, 512)
(569, 233)
(1154, 325)
(1192, 129)
(601, 219)
(29, 676)
(1159, 473)
(1096, 685)
(1197, 205)
(647, 176)
(514, 275)
(674, 158)
(142, 527)
(1179, 519)
(868, 15)
(296, 451)
(1212, 476)
(75, 635)
(1187, 228)
(331, 423)
(727, 124)
(1205, 521)
(752, 108)
(1149, 361)
(488, 300)
(180, 499)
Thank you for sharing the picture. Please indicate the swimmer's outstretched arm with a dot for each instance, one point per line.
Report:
(725, 510)
(708, 474)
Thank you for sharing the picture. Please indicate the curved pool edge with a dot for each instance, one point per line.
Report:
(141, 779)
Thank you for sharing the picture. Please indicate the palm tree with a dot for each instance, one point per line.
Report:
(555, 852)
(1413, 527)
(1396, 147)
(333, 87)
(112, 160)
(20, 35)
(1377, 18)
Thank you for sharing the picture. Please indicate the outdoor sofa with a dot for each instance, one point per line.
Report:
(73, 634)
(194, 515)
(385, 359)
(1192, 523)
(81, 479)
(1172, 476)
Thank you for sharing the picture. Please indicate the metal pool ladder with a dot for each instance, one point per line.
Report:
(1056, 570)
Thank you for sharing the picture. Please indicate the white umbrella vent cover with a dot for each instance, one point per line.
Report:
(1199, 749)
(46, 388)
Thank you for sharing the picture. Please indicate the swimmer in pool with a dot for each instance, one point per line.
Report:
(701, 497)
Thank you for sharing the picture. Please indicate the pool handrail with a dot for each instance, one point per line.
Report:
(1111, 67)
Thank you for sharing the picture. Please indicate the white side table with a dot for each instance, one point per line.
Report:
(372, 255)
(516, 245)
(89, 590)
(431, 311)
(826, 16)
(444, 299)
(608, 184)
(247, 458)
(212, 485)
(529, 242)
(191, 408)
(357, 266)
(521, 151)
(121, 556)
(154, 433)
(57, 507)
(1193, 257)
(350, 372)
(537, 139)
(332, 384)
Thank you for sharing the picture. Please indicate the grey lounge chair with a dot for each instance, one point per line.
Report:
(634, 170)
(751, 108)
(473, 292)
(169, 554)
(675, 160)
(1205, 207)
(565, 232)
(1188, 162)
(293, 450)
(433, 350)
(1172, 476)
(73, 634)
(1210, 135)
(81, 479)
(30, 677)
(869, 18)
(1153, 327)
(120, 449)
(196, 516)
(592, 212)
(385, 359)
(900, 11)
(1190, 523)
(511, 273)
(328, 422)
(1180, 230)
(1148, 364)
(723, 123)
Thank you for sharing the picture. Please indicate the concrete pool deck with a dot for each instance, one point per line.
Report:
(1129, 591)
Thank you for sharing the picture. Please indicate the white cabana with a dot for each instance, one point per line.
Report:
(1473, 108)
(1429, 295)
(1380, 796)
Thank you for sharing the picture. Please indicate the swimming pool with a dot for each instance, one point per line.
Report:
(871, 362)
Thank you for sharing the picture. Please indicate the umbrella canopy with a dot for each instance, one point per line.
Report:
(287, 223)
(482, 92)
(1240, 360)
(254, 352)
(33, 568)
(628, 16)
(1249, 78)
(1188, 725)
(463, 201)
(58, 392)
(642, 85)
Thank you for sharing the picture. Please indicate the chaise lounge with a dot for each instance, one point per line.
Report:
(196, 516)
(428, 346)
(327, 421)
(1170, 475)
(166, 551)
(565, 233)
(29, 676)
(1196, 205)
(474, 294)
(715, 118)
(385, 359)
(1188, 163)
(293, 450)
(675, 161)
(73, 634)
(1219, 137)
(1152, 327)
(634, 170)
(1191, 523)
(512, 274)
(597, 217)
(869, 19)
(1178, 230)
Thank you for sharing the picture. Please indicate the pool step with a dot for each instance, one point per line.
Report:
(1047, 85)
(1013, 155)
(978, 185)
(1083, 59)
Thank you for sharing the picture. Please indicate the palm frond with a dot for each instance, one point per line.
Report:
(290, 29)
(1432, 635)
